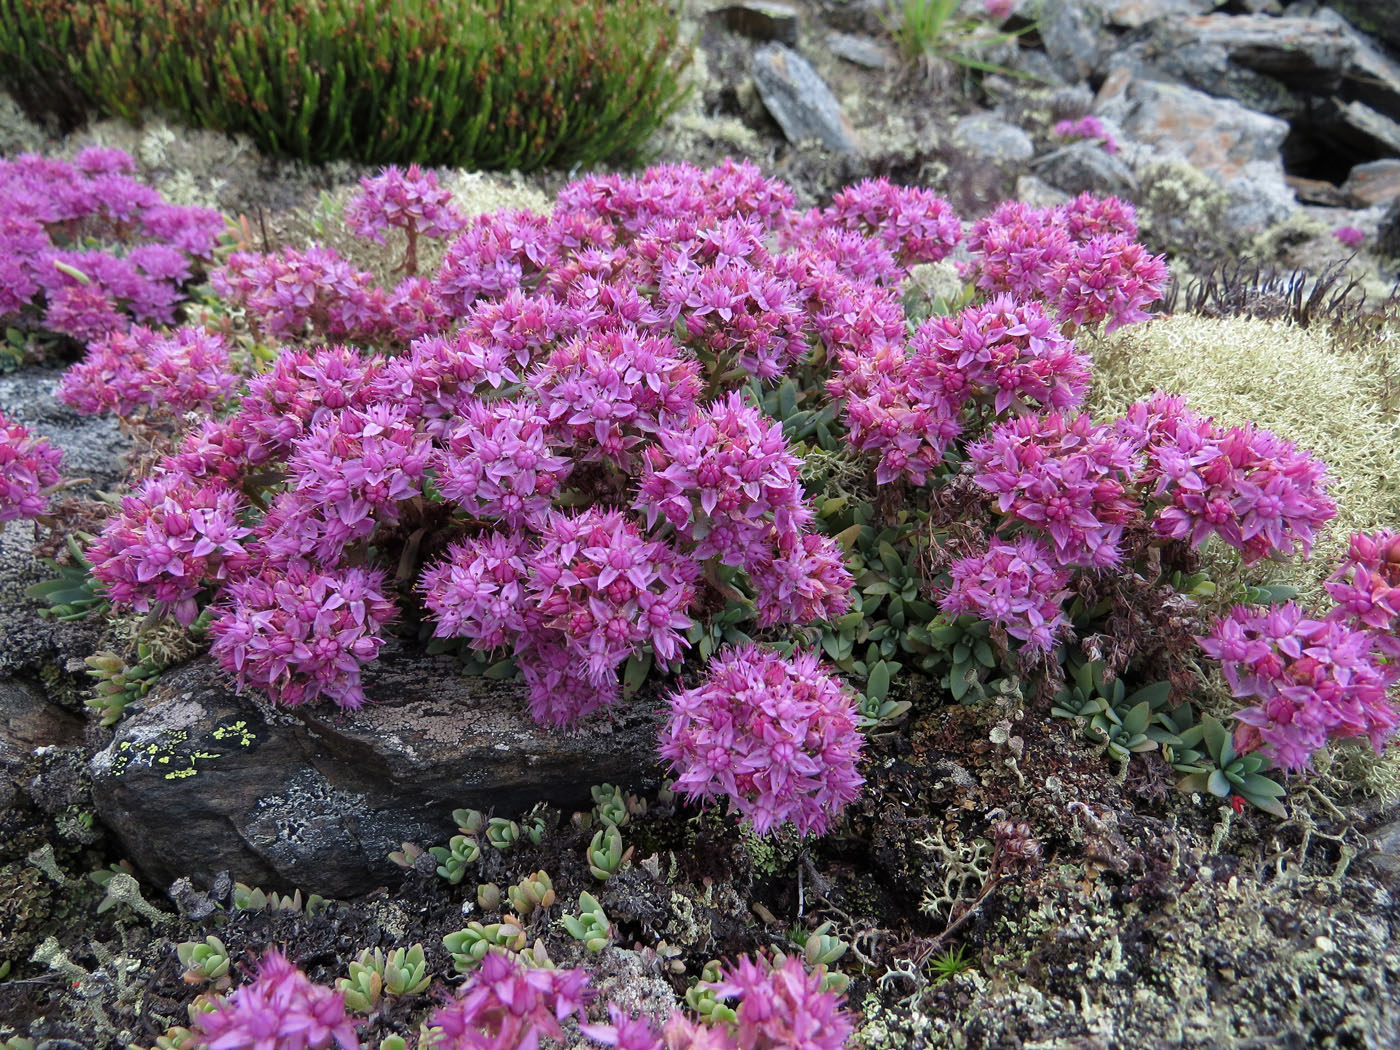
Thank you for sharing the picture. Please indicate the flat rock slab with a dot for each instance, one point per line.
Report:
(1237, 147)
(203, 780)
(1377, 182)
(799, 99)
(763, 20)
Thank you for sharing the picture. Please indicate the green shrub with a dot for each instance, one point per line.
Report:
(464, 83)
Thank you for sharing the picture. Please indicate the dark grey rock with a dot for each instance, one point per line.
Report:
(1376, 182)
(1235, 146)
(1360, 127)
(799, 99)
(763, 20)
(1086, 167)
(1384, 857)
(201, 780)
(1074, 37)
(1388, 232)
(860, 50)
(1380, 18)
(988, 137)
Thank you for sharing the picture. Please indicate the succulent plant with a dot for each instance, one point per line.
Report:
(591, 925)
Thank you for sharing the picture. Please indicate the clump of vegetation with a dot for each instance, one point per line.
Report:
(468, 83)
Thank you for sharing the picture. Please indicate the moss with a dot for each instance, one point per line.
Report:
(1287, 379)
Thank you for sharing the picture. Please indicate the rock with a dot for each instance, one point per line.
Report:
(1388, 232)
(1086, 167)
(1235, 146)
(1358, 126)
(1318, 191)
(1384, 858)
(799, 99)
(1380, 18)
(1129, 14)
(1371, 76)
(199, 779)
(988, 137)
(1377, 182)
(763, 20)
(28, 721)
(860, 50)
(1268, 64)
(1038, 193)
(92, 448)
(1073, 35)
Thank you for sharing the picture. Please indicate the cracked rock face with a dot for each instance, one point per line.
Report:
(203, 780)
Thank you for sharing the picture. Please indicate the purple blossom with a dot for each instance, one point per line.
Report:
(492, 256)
(506, 1006)
(301, 389)
(28, 466)
(408, 200)
(499, 462)
(291, 291)
(184, 370)
(1087, 127)
(173, 538)
(1107, 278)
(280, 1009)
(1349, 236)
(799, 578)
(723, 480)
(607, 392)
(783, 1006)
(1366, 588)
(1254, 490)
(914, 224)
(478, 591)
(741, 314)
(298, 633)
(1014, 585)
(1314, 680)
(1005, 354)
(1064, 476)
(776, 736)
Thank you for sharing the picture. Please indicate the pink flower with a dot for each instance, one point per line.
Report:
(1366, 588)
(783, 1007)
(776, 736)
(184, 370)
(506, 1006)
(278, 1010)
(28, 466)
(1314, 680)
(1064, 476)
(1349, 236)
(173, 538)
(410, 200)
(1016, 586)
(298, 633)
(1087, 127)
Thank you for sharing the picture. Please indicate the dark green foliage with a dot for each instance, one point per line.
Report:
(470, 83)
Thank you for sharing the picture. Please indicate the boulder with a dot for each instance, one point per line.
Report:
(1086, 167)
(199, 779)
(1380, 18)
(1235, 146)
(763, 20)
(799, 99)
(860, 50)
(1129, 14)
(1377, 182)
(989, 138)
(1074, 37)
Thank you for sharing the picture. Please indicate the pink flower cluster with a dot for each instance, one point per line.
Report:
(1015, 585)
(408, 200)
(140, 258)
(780, 1007)
(28, 466)
(576, 604)
(126, 372)
(776, 736)
(1087, 127)
(173, 538)
(286, 292)
(1314, 681)
(915, 225)
(1080, 256)
(1251, 488)
(1366, 588)
(1005, 354)
(505, 1006)
(299, 633)
(1066, 477)
(279, 1010)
